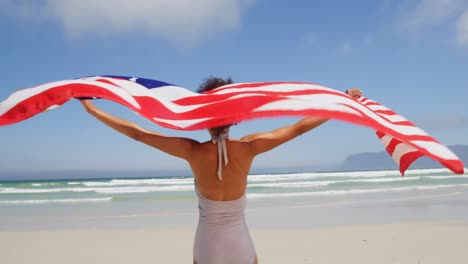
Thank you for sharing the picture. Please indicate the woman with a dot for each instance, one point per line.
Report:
(220, 168)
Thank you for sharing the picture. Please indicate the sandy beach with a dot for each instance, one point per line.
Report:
(354, 218)
(440, 242)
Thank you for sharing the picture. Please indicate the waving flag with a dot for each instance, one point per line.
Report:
(178, 108)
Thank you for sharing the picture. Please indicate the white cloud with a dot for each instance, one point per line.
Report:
(462, 29)
(428, 13)
(426, 16)
(179, 21)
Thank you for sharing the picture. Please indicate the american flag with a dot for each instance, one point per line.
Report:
(175, 107)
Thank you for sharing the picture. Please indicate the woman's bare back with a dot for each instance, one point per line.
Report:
(204, 164)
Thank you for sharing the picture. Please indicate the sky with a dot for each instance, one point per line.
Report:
(409, 55)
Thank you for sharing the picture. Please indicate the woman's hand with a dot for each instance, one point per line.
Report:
(88, 105)
(354, 92)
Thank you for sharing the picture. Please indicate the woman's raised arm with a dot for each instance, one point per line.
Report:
(175, 146)
(262, 142)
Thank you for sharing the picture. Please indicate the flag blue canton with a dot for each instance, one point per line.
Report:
(148, 83)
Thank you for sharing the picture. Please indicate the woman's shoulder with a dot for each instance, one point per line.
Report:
(232, 144)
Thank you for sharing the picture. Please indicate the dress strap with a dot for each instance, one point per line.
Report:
(222, 149)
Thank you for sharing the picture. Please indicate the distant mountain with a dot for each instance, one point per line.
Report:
(383, 161)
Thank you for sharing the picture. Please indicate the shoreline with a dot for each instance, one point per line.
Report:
(415, 242)
(446, 205)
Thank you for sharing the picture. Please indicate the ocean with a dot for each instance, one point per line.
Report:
(171, 200)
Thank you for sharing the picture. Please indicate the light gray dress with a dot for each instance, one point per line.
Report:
(222, 235)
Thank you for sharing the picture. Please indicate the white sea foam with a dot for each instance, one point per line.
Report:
(45, 184)
(297, 176)
(50, 190)
(133, 189)
(139, 182)
(19, 190)
(58, 201)
(399, 179)
(354, 174)
(426, 171)
(355, 191)
(303, 184)
(260, 186)
(291, 184)
(290, 177)
(300, 180)
(143, 189)
(447, 177)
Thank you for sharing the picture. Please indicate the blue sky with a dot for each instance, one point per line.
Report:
(410, 55)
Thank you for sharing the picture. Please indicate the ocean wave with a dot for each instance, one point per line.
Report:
(346, 192)
(144, 189)
(124, 182)
(19, 190)
(303, 176)
(104, 190)
(291, 184)
(115, 187)
(427, 171)
(442, 177)
(51, 190)
(332, 174)
(354, 174)
(45, 184)
(58, 201)
(303, 184)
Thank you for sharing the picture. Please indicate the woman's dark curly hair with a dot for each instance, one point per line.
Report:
(212, 83)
